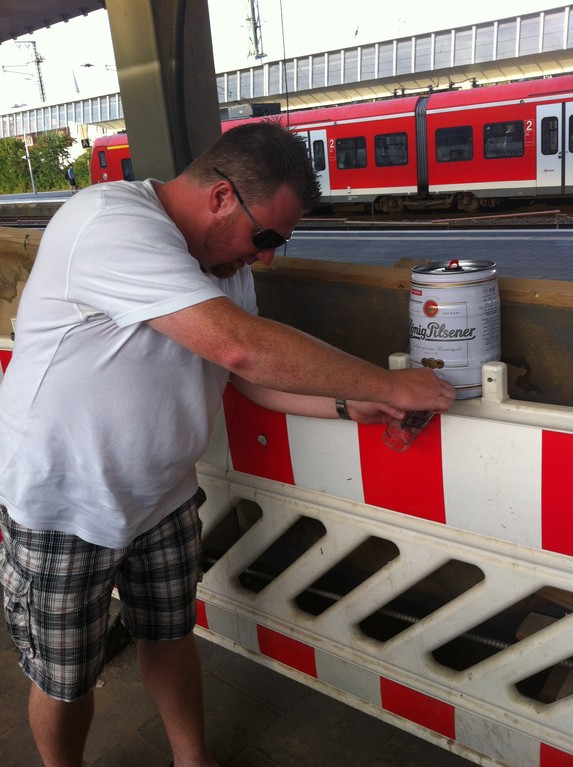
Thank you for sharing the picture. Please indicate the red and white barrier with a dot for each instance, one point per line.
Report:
(487, 485)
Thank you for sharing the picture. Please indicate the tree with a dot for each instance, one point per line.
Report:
(82, 169)
(50, 156)
(14, 176)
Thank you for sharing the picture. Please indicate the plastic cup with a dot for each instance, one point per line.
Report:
(400, 434)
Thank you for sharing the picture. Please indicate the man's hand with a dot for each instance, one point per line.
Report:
(412, 389)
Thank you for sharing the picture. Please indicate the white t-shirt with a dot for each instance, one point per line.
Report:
(101, 417)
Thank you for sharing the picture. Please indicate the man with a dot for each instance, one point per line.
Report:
(71, 176)
(139, 308)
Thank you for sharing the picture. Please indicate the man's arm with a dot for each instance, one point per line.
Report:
(275, 356)
(306, 405)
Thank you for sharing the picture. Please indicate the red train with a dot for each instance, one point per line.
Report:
(111, 159)
(466, 148)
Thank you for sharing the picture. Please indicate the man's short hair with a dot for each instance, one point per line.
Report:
(260, 157)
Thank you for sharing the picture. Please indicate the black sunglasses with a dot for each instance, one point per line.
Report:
(264, 239)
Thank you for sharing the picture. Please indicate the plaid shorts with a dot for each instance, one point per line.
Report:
(57, 592)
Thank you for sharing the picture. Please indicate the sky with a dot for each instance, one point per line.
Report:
(288, 28)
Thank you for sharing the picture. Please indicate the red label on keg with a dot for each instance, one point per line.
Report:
(430, 308)
(416, 292)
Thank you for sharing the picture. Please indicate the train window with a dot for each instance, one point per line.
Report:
(102, 159)
(351, 152)
(318, 154)
(571, 134)
(549, 135)
(391, 149)
(127, 169)
(503, 140)
(454, 144)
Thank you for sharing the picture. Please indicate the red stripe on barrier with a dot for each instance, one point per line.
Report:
(409, 482)
(286, 650)
(556, 491)
(5, 357)
(201, 618)
(258, 438)
(419, 708)
(551, 757)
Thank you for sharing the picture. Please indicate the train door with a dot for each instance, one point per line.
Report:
(318, 152)
(555, 148)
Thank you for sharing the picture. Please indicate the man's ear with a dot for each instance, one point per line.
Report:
(219, 197)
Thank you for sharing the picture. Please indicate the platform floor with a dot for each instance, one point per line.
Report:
(255, 718)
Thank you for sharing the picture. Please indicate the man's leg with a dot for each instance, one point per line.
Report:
(157, 586)
(60, 729)
(171, 672)
(57, 591)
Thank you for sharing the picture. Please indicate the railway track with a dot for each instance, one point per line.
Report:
(520, 217)
(34, 212)
(25, 222)
(548, 219)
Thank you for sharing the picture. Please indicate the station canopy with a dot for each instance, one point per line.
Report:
(23, 17)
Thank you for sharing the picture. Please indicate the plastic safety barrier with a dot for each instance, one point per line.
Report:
(431, 588)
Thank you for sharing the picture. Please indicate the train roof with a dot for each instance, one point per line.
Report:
(308, 117)
(403, 104)
(116, 139)
(506, 92)
(436, 101)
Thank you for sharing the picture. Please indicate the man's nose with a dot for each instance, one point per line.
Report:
(266, 256)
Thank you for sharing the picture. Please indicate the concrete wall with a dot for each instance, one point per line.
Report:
(364, 310)
(18, 248)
